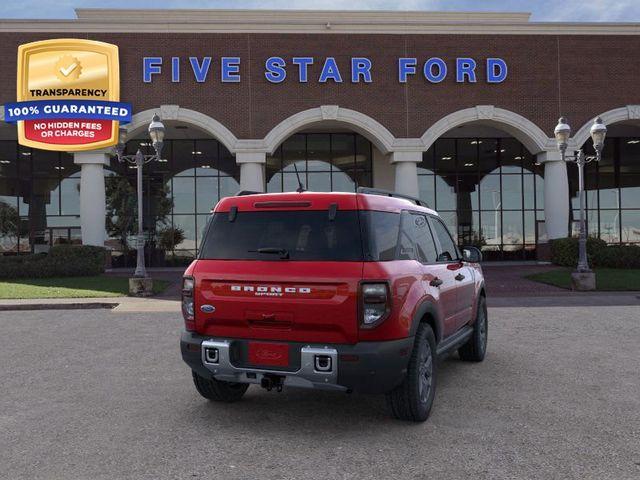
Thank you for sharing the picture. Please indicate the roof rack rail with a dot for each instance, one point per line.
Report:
(389, 193)
(242, 193)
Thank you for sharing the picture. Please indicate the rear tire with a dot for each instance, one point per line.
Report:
(218, 391)
(413, 398)
(476, 347)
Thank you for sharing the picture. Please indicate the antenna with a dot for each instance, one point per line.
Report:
(300, 188)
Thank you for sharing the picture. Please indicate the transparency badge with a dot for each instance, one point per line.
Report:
(68, 95)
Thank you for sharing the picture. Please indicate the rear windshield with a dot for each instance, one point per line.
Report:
(278, 235)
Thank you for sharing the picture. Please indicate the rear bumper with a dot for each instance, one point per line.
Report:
(367, 367)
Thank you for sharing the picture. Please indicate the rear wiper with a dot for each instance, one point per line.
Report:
(283, 252)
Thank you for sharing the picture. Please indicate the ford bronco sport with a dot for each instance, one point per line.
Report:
(340, 291)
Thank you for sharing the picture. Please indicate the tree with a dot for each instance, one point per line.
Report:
(122, 208)
(9, 221)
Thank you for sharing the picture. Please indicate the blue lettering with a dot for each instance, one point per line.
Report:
(496, 70)
(275, 69)
(175, 69)
(330, 71)
(360, 67)
(428, 70)
(151, 66)
(200, 72)
(465, 67)
(303, 64)
(230, 70)
(406, 66)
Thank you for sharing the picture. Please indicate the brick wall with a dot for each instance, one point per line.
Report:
(578, 76)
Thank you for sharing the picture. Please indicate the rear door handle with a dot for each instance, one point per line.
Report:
(459, 277)
(436, 282)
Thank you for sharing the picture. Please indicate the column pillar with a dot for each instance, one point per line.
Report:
(93, 209)
(251, 170)
(406, 172)
(556, 194)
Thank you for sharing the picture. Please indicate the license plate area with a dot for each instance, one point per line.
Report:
(268, 354)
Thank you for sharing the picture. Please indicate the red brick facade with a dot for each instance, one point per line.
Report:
(578, 76)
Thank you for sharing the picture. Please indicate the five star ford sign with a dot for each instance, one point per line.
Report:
(68, 95)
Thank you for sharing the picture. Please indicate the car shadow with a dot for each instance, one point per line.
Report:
(310, 411)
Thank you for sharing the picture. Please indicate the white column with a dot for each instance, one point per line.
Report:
(251, 170)
(93, 208)
(556, 194)
(406, 169)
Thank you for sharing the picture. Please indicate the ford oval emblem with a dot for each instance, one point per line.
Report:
(208, 308)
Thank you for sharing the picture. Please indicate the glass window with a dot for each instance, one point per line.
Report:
(511, 155)
(207, 194)
(630, 190)
(318, 152)
(467, 155)
(426, 184)
(610, 226)
(630, 226)
(512, 228)
(448, 250)
(382, 234)
(70, 196)
(490, 195)
(487, 155)
(512, 192)
(445, 193)
(8, 159)
(187, 223)
(445, 156)
(183, 195)
(298, 235)
(421, 232)
(182, 160)
(325, 162)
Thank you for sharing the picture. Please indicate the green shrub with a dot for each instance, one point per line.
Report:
(564, 252)
(61, 261)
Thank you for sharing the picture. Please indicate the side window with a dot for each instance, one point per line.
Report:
(423, 239)
(406, 240)
(449, 251)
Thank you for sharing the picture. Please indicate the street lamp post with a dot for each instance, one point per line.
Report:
(156, 133)
(583, 278)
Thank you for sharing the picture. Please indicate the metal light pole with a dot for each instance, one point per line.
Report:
(562, 133)
(156, 133)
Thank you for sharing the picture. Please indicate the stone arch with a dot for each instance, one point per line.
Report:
(374, 131)
(622, 114)
(527, 132)
(141, 120)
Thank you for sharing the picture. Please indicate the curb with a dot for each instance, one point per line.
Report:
(57, 306)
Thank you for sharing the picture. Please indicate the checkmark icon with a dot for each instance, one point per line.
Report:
(66, 71)
(68, 68)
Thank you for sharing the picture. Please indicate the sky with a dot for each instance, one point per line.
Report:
(542, 10)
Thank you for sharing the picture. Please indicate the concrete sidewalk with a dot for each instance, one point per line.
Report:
(117, 304)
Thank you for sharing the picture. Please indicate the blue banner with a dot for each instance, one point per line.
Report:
(67, 109)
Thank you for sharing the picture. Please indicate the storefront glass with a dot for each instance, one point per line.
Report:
(612, 192)
(488, 191)
(326, 162)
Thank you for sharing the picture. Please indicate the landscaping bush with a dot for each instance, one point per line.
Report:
(61, 261)
(564, 252)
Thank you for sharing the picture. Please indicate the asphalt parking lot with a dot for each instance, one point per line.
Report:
(99, 394)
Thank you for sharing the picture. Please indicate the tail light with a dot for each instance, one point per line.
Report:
(375, 304)
(187, 303)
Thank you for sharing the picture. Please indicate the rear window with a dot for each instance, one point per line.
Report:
(275, 235)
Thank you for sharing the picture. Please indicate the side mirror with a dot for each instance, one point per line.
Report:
(471, 254)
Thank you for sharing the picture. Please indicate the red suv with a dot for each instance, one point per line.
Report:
(339, 291)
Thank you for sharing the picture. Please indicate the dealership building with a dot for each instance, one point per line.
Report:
(458, 109)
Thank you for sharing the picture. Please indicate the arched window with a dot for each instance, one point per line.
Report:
(325, 162)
